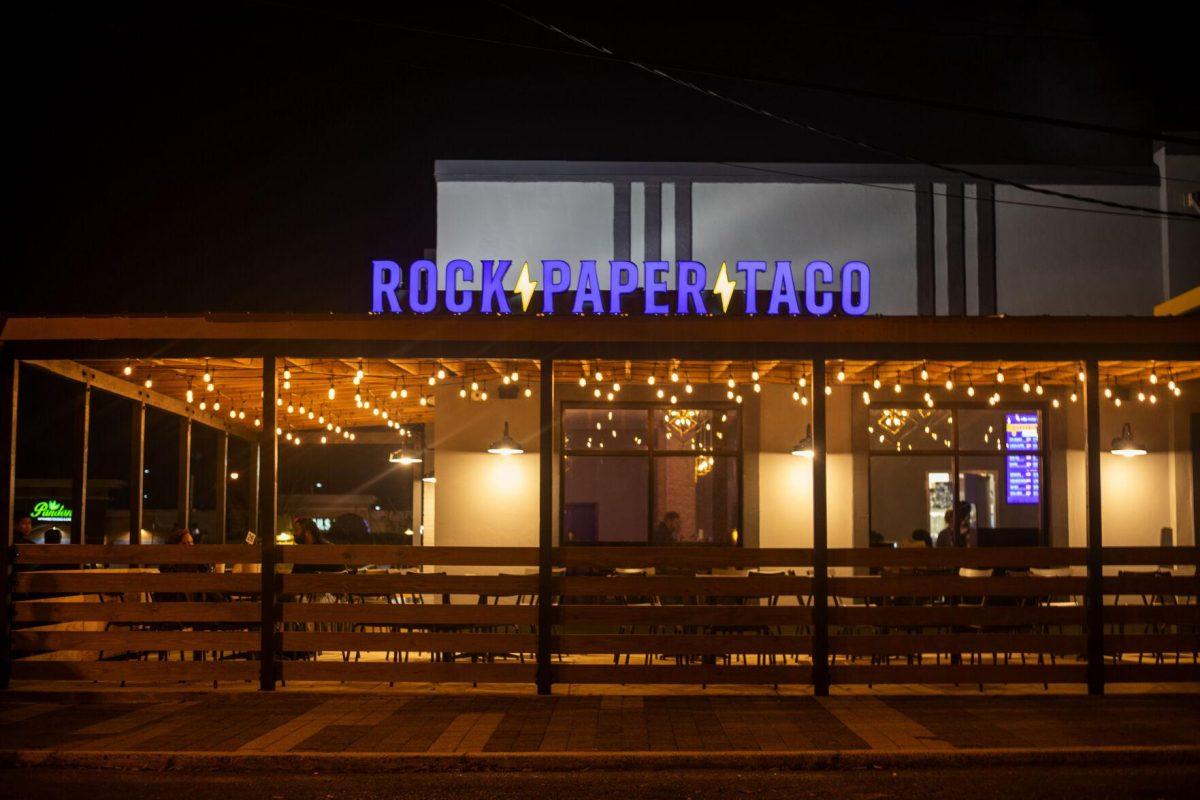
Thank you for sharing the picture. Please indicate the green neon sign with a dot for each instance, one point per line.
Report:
(50, 511)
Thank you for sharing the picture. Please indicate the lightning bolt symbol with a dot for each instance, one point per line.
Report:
(724, 288)
(525, 287)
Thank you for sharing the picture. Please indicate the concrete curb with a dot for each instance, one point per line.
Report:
(615, 761)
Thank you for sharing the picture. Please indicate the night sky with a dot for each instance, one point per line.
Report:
(256, 155)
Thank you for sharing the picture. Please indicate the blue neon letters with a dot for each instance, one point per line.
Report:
(463, 293)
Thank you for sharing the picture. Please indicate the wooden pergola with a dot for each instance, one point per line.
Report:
(153, 361)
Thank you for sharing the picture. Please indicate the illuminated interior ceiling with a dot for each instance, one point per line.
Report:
(402, 388)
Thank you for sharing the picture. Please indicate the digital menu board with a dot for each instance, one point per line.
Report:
(1022, 472)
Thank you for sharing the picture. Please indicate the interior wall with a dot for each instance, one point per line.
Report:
(1141, 495)
(785, 481)
(484, 499)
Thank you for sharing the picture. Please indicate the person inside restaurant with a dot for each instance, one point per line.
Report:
(668, 530)
(24, 529)
(963, 537)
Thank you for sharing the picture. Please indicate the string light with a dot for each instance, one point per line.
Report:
(287, 374)
(528, 392)
(1108, 392)
(207, 377)
(332, 393)
(841, 373)
(970, 390)
(189, 394)
(896, 388)
(876, 383)
(358, 375)
(999, 374)
(462, 392)
(1037, 384)
(441, 374)
(1153, 376)
(475, 386)
(924, 372)
(1025, 385)
(803, 381)
(950, 381)
(149, 382)
(828, 389)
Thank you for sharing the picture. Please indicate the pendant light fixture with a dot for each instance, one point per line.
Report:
(506, 445)
(405, 457)
(804, 448)
(1125, 446)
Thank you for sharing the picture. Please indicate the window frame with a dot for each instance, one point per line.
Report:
(1042, 452)
(650, 453)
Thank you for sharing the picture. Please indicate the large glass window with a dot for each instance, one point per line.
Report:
(651, 474)
(991, 458)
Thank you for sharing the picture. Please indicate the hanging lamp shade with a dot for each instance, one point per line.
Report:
(1125, 445)
(506, 445)
(404, 457)
(804, 448)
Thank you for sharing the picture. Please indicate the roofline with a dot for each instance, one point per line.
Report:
(789, 172)
(603, 336)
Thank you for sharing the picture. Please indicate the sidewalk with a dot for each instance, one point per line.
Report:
(302, 729)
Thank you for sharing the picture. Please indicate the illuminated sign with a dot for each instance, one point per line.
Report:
(50, 511)
(632, 288)
(1022, 472)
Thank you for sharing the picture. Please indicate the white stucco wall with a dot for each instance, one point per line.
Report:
(810, 222)
(525, 221)
(1065, 263)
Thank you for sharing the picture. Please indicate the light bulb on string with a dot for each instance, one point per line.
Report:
(876, 383)
(441, 374)
(896, 387)
(924, 371)
(1153, 376)
(332, 393)
(999, 375)
(803, 381)
(128, 370)
(287, 374)
(207, 376)
(970, 390)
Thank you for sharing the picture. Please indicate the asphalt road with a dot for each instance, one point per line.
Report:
(975, 783)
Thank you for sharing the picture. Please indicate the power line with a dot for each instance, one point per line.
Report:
(913, 190)
(597, 55)
(811, 128)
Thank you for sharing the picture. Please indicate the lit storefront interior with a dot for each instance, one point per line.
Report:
(699, 502)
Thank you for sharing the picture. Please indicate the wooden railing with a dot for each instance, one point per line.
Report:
(693, 615)
(134, 613)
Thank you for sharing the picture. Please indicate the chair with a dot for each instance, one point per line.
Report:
(631, 601)
(1050, 601)
(1147, 600)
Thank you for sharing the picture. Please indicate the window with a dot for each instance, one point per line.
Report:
(651, 474)
(990, 457)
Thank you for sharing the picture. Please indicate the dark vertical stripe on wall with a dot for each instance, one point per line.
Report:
(683, 220)
(956, 251)
(985, 215)
(653, 221)
(622, 236)
(925, 274)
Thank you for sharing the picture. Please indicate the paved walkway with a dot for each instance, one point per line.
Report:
(303, 722)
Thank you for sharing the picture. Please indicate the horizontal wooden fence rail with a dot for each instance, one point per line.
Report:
(136, 612)
(621, 615)
(402, 614)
